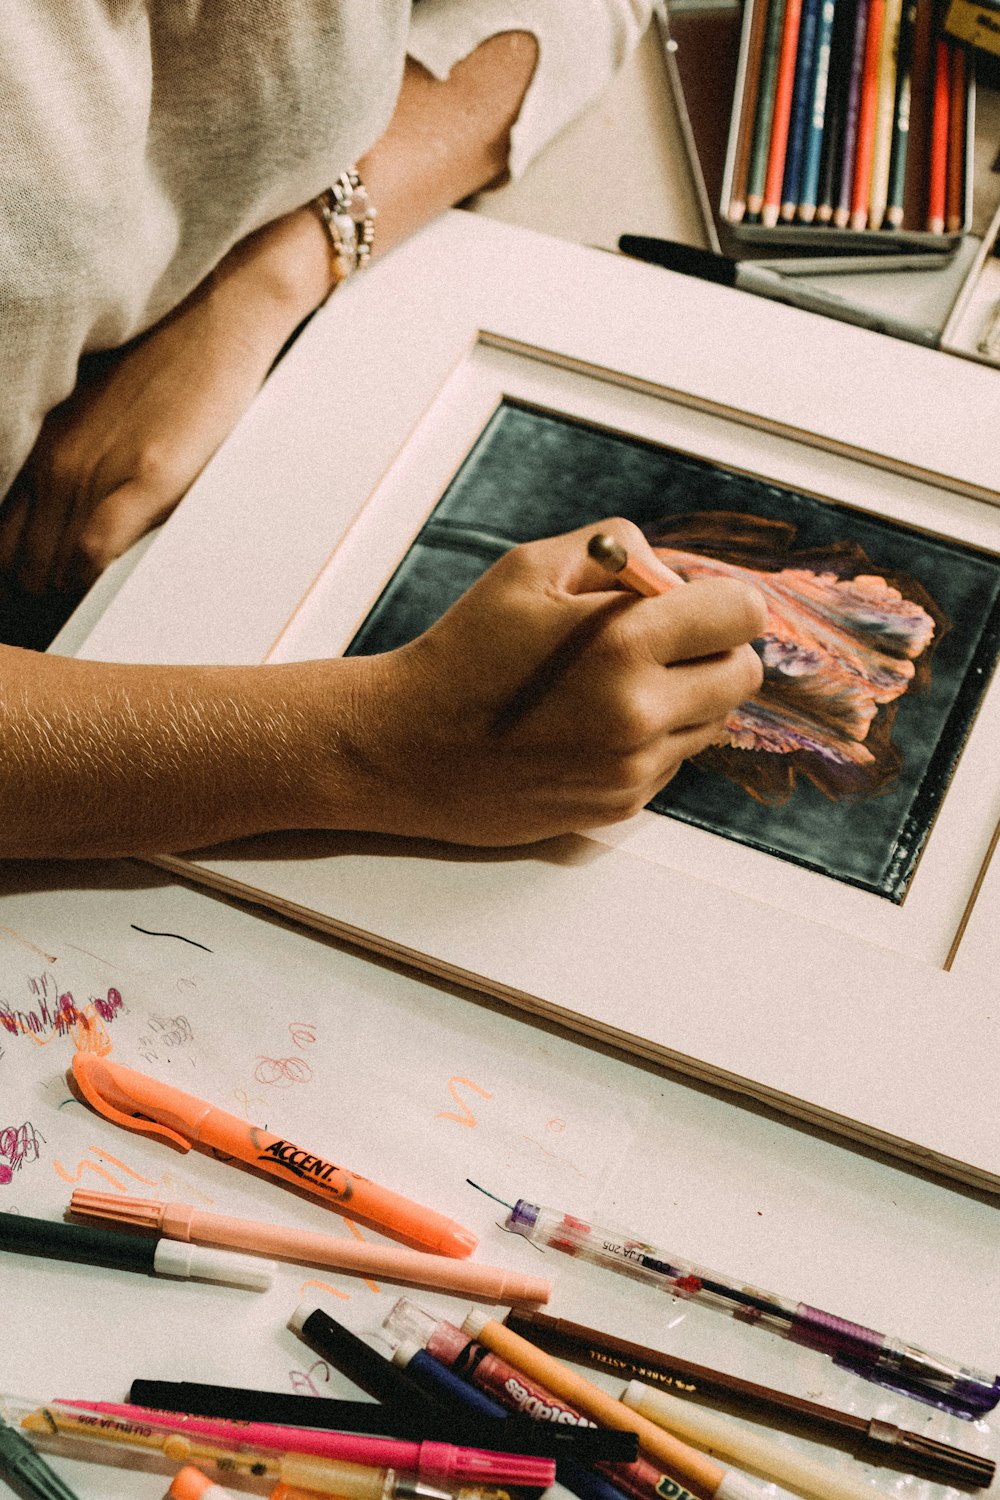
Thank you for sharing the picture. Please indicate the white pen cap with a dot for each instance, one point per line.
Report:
(197, 1263)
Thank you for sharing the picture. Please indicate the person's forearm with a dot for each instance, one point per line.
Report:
(447, 139)
(98, 759)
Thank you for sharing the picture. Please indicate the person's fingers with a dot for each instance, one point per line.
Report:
(120, 519)
(696, 620)
(13, 515)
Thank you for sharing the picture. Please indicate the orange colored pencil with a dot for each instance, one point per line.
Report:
(864, 150)
(628, 569)
(774, 181)
(938, 175)
(957, 122)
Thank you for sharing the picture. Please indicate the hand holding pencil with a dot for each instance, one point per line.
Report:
(547, 701)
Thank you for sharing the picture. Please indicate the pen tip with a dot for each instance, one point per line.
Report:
(606, 551)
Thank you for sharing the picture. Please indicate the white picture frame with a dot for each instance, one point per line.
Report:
(870, 1020)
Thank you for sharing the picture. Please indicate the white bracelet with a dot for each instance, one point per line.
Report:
(349, 218)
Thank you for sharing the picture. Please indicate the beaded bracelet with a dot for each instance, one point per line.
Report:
(349, 219)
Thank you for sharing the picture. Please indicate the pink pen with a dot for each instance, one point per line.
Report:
(432, 1461)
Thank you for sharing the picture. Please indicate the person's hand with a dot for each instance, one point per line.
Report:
(114, 459)
(546, 700)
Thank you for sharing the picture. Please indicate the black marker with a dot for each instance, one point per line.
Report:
(132, 1252)
(763, 281)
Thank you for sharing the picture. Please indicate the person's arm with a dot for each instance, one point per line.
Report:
(544, 701)
(114, 459)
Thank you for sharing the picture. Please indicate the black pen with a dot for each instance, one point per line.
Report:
(763, 281)
(372, 1418)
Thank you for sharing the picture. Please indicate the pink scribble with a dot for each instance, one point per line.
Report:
(18, 1144)
(57, 1015)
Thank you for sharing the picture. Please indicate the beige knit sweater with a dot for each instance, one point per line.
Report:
(143, 138)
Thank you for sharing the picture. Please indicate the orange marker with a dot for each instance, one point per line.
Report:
(141, 1103)
(637, 575)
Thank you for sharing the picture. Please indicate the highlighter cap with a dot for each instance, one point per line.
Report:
(191, 1484)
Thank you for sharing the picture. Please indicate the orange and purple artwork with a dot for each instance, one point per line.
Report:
(842, 644)
(880, 644)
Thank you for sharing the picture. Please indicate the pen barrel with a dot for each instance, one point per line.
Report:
(391, 1263)
(749, 1451)
(386, 1210)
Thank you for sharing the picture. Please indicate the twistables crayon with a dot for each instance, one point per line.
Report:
(516, 1392)
(142, 1103)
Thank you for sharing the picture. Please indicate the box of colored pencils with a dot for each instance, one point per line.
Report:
(976, 22)
(852, 125)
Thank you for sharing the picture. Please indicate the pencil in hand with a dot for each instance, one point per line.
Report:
(629, 570)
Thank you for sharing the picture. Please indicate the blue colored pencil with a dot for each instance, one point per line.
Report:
(802, 96)
(812, 152)
(836, 109)
(842, 209)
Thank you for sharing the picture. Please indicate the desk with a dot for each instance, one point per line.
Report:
(487, 1093)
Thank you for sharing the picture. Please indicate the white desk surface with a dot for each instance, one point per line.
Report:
(482, 1094)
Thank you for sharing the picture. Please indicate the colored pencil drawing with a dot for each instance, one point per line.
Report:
(839, 652)
(887, 636)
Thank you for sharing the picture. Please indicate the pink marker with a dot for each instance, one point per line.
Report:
(433, 1461)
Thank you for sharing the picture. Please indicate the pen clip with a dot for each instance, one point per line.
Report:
(85, 1065)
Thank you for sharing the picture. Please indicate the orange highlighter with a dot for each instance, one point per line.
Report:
(141, 1103)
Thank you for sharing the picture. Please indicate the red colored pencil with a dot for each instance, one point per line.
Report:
(774, 180)
(957, 130)
(938, 176)
(864, 150)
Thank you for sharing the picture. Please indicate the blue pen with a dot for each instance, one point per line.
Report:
(814, 129)
(19, 1459)
(802, 95)
(437, 1380)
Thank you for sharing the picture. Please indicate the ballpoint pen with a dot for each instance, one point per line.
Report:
(888, 1362)
(19, 1459)
(247, 1450)
(142, 1103)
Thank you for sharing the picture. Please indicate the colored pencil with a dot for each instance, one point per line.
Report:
(765, 106)
(842, 208)
(885, 112)
(748, 111)
(808, 189)
(836, 109)
(782, 113)
(806, 62)
(938, 176)
(918, 141)
(865, 144)
(900, 116)
(958, 117)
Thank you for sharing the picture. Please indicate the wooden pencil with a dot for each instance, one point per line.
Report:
(842, 208)
(748, 111)
(812, 150)
(919, 135)
(937, 183)
(836, 108)
(865, 146)
(757, 173)
(782, 112)
(900, 116)
(957, 128)
(878, 192)
(802, 90)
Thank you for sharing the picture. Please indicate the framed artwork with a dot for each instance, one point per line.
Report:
(805, 915)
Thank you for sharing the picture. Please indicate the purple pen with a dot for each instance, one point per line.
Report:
(888, 1362)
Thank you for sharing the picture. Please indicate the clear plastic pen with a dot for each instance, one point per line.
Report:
(886, 1361)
